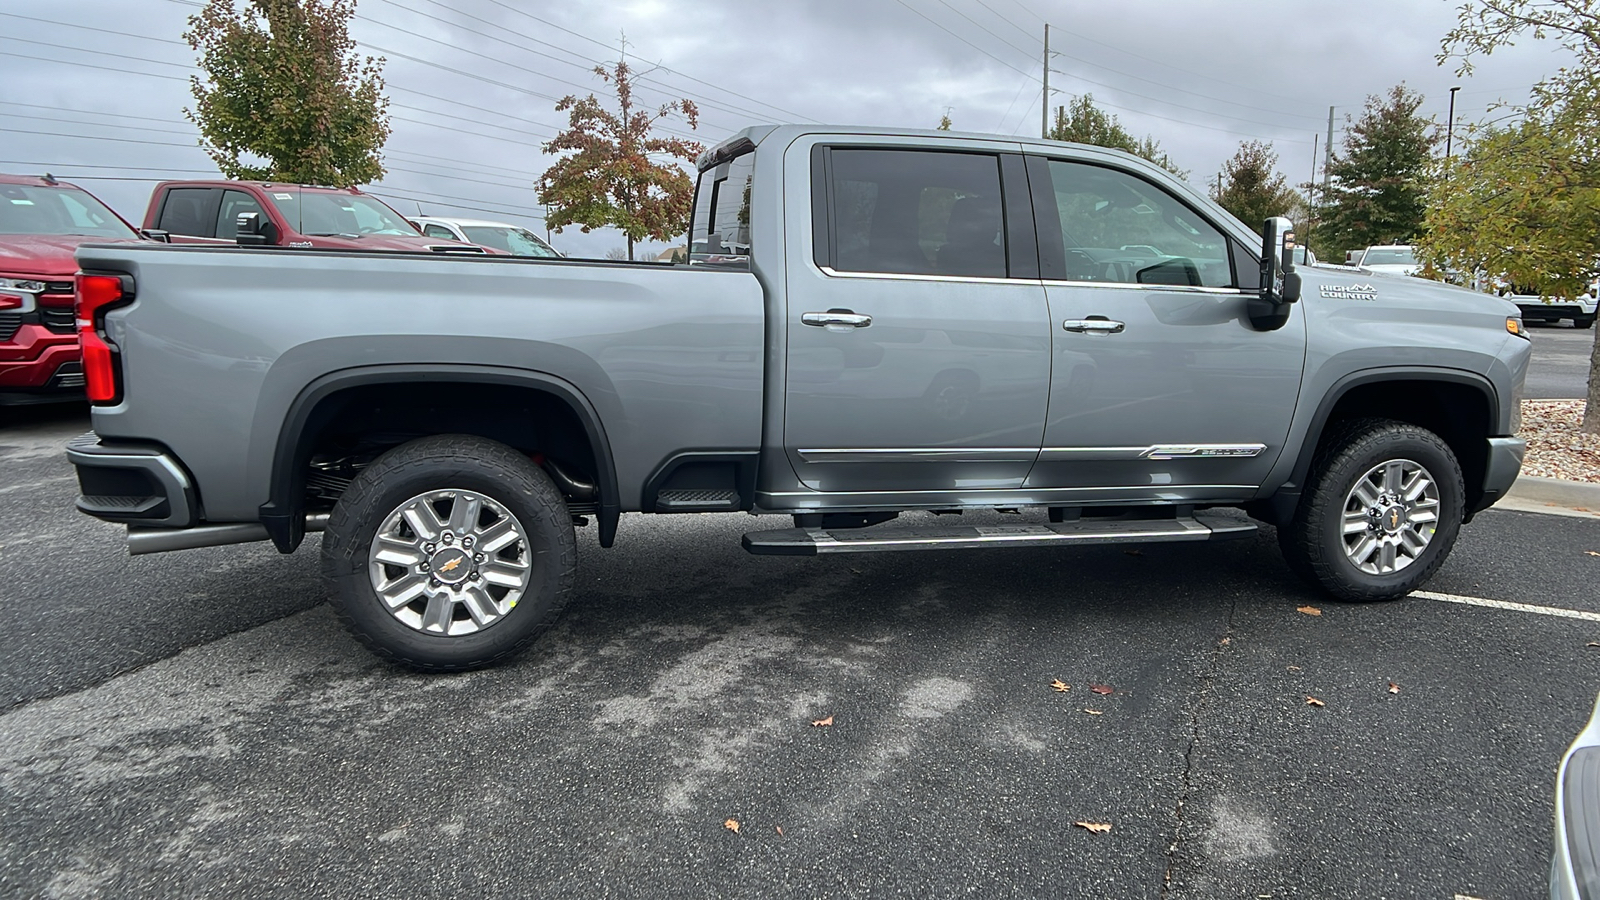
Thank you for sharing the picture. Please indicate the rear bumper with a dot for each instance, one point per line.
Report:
(1500, 472)
(132, 483)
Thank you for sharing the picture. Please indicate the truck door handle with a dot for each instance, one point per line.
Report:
(836, 317)
(1093, 325)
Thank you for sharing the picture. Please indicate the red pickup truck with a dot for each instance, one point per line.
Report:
(286, 215)
(42, 221)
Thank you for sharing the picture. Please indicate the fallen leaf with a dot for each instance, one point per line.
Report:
(732, 825)
(1309, 610)
(1134, 552)
(1312, 701)
(822, 723)
(1225, 641)
(1095, 827)
(1094, 712)
(1296, 669)
(1394, 688)
(1060, 686)
(857, 571)
(1592, 552)
(780, 830)
(1101, 688)
(1593, 644)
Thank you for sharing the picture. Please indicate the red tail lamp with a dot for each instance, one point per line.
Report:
(95, 295)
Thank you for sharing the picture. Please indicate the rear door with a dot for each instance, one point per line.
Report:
(918, 334)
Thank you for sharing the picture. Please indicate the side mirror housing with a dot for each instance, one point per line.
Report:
(255, 231)
(1280, 283)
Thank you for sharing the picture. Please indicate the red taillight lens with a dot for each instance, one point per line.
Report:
(95, 294)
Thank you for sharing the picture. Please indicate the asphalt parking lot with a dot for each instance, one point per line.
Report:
(1560, 369)
(195, 724)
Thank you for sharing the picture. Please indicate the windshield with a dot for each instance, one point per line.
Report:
(325, 213)
(516, 241)
(25, 209)
(1389, 256)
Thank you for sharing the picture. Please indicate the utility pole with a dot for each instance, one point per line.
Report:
(1313, 182)
(1044, 105)
(1327, 159)
(1450, 130)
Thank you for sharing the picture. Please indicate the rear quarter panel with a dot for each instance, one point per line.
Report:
(221, 341)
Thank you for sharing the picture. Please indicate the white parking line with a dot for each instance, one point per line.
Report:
(1514, 607)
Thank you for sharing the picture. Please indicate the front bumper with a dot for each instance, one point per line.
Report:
(39, 365)
(1500, 471)
(132, 483)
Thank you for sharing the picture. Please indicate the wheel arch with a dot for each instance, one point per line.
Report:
(314, 406)
(1462, 407)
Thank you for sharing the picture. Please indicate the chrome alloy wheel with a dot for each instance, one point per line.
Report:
(1390, 516)
(450, 562)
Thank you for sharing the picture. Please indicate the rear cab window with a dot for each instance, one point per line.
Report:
(719, 231)
(191, 212)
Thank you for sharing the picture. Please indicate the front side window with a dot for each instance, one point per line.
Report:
(1120, 229)
(438, 231)
(917, 212)
(719, 232)
(234, 203)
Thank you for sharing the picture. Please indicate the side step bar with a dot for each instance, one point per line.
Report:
(813, 541)
(160, 540)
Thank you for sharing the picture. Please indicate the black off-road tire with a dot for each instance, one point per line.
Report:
(1313, 543)
(1583, 321)
(449, 462)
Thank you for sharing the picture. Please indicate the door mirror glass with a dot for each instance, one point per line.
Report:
(1279, 282)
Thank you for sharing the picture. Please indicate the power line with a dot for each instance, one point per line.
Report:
(120, 34)
(967, 42)
(997, 37)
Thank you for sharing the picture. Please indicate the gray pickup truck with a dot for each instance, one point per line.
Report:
(870, 323)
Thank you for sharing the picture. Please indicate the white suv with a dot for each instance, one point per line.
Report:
(499, 235)
(1535, 308)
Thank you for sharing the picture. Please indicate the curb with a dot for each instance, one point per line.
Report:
(1553, 495)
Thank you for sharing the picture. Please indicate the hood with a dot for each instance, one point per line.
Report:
(45, 254)
(404, 243)
(1341, 287)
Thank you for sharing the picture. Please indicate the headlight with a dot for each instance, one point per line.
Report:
(1514, 326)
(17, 284)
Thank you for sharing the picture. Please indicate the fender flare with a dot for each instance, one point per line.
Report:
(283, 514)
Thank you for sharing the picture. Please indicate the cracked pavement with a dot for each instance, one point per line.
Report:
(195, 724)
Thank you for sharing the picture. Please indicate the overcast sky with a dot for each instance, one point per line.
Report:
(93, 90)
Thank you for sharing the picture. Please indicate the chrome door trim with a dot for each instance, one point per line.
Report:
(920, 454)
(1156, 451)
(1165, 288)
(1121, 495)
(831, 272)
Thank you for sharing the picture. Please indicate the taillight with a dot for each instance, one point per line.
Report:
(96, 294)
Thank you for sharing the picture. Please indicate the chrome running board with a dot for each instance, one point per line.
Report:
(814, 541)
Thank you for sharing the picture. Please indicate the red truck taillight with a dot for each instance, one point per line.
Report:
(95, 295)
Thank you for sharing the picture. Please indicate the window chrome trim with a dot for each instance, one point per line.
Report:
(915, 454)
(1154, 451)
(1166, 288)
(831, 272)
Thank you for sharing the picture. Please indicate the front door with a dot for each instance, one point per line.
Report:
(1161, 389)
(918, 342)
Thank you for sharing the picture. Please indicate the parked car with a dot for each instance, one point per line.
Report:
(499, 235)
(286, 215)
(1575, 863)
(918, 321)
(1390, 259)
(1538, 308)
(42, 221)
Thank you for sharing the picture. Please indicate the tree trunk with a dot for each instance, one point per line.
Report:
(1591, 414)
(630, 248)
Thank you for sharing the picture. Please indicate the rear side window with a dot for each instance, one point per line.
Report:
(916, 212)
(719, 233)
(191, 211)
(234, 204)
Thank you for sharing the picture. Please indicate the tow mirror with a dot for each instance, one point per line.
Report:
(255, 231)
(1280, 283)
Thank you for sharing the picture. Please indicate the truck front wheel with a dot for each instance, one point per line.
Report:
(1382, 508)
(449, 553)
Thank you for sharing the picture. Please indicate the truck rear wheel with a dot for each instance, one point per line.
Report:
(1583, 321)
(449, 553)
(1382, 508)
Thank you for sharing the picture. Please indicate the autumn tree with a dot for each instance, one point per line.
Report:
(1084, 123)
(944, 123)
(617, 171)
(1378, 188)
(1250, 187)
(285, 97)
(1524, 199)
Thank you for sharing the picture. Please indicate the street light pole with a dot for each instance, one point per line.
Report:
(1450, 129)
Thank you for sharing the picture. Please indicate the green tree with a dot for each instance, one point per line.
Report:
(944, 123)
(1379, 182)
(1250, 187)
(609, 176)
(1529, 193)
(1084, 123)
(283, 85)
